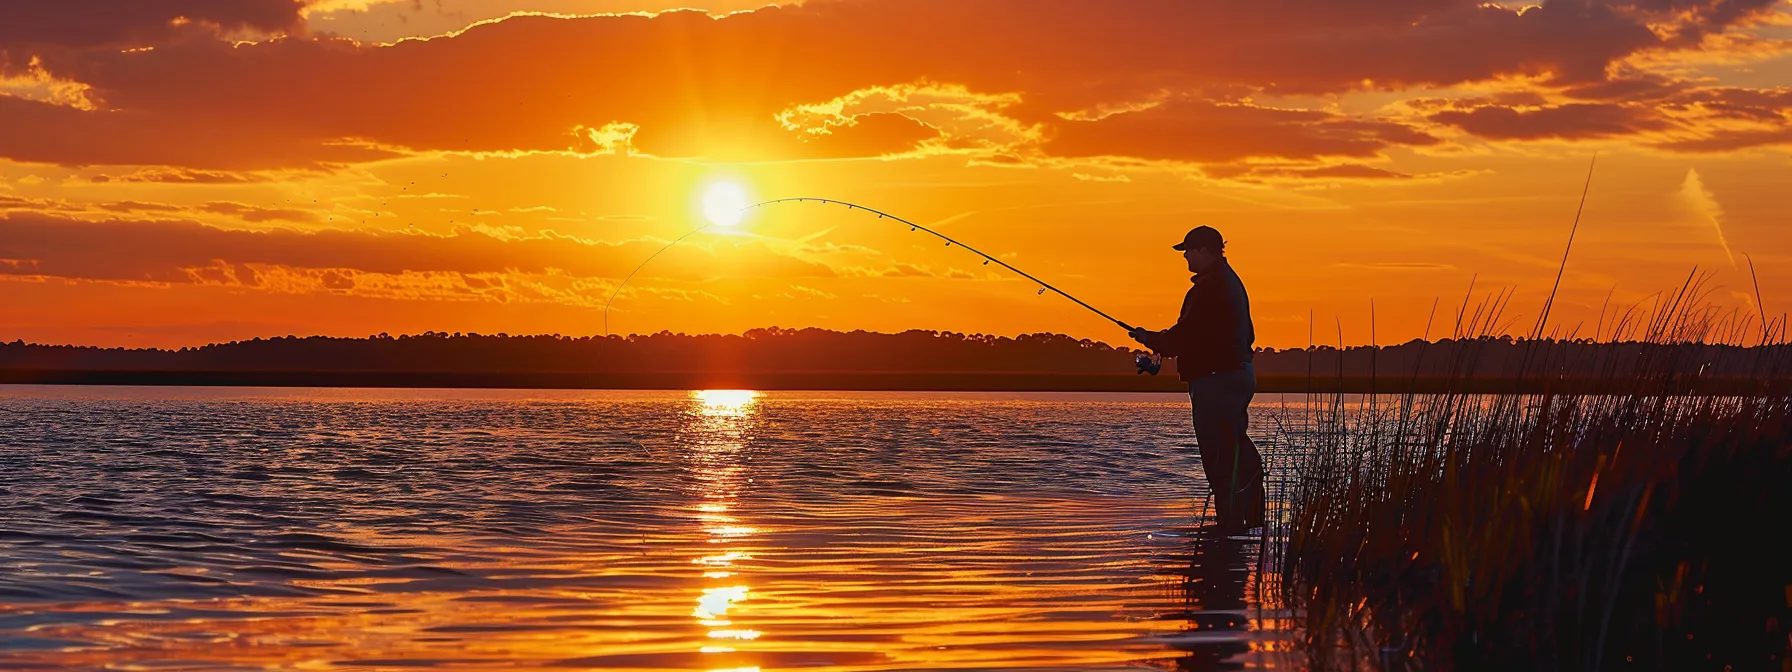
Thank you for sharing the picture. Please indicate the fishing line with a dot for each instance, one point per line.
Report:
(631, 274)
(987, 259)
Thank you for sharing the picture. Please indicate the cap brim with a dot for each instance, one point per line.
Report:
(1179, 247)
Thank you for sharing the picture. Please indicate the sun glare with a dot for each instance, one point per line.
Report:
(725, 402)
(724, 204)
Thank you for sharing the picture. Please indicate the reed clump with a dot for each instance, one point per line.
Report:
(1639, 531)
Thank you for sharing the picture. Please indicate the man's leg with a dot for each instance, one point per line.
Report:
(1217, 438)
(1249, 462)
(1234, 467)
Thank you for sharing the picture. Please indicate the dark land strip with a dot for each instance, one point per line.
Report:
(1004, 381)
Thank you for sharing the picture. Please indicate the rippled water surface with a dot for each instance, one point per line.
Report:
(175, 528)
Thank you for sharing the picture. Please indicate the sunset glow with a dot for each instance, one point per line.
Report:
(246, 173)
(871, 335)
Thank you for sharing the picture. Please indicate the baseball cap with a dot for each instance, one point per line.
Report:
(1205, 237)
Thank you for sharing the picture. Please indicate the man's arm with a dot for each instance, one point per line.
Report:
(1169, 342)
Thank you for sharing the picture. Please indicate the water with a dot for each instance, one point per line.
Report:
(187, 528)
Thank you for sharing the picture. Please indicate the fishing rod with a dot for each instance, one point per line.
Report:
(1145, 363)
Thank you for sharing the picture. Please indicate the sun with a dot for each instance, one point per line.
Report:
(724, 203)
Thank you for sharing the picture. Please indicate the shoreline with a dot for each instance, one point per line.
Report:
(857, 382)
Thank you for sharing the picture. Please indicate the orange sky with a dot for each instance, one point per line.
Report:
(193, 171)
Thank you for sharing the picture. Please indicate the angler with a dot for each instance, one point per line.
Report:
(1211, 342)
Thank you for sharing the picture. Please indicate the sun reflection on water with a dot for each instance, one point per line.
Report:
(716, 440)
(715, 603)
(726, 403)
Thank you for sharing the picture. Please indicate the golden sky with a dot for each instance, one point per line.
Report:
(183, 172)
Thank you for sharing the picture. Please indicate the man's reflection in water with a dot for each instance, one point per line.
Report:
(1212, 587)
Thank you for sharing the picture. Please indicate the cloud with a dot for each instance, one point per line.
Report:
(35, 83)
(996, 79)
(101, 210)
(409, 285)
(1724, 119)
(1725, 140)
(960, 120)
(1085, 177)
(49, 133)
(1207, 132)
(1341, 171)
(1695, 197)
(250, 213)
(905, 270)
(811, 291)
(138, 206)
(26, 204)
(170, 251)
(1683, 119)
(184, 176)
(1573, 121)
(1640, 87)
(1396, 266)
(872, 135)
(1738, 103)
(131, 23)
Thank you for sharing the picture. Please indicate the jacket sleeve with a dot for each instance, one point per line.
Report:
(1170, 342)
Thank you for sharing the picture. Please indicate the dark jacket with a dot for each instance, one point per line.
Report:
(1214, 333)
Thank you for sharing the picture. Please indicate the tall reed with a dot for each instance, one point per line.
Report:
(1638, 531)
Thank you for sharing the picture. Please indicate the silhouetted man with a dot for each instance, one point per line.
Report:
(1212, 346)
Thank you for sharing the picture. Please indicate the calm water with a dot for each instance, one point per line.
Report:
(186, 528)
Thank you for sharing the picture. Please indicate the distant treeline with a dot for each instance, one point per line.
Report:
(775, 357)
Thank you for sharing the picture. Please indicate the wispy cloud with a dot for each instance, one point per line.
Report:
(1396, 265)
(1704, 206)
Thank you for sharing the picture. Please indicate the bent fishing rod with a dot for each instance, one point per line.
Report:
(950, 241)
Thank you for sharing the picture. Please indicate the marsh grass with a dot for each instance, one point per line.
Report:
(1554, 531)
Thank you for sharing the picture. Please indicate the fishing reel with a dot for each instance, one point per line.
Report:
(1148, 363)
